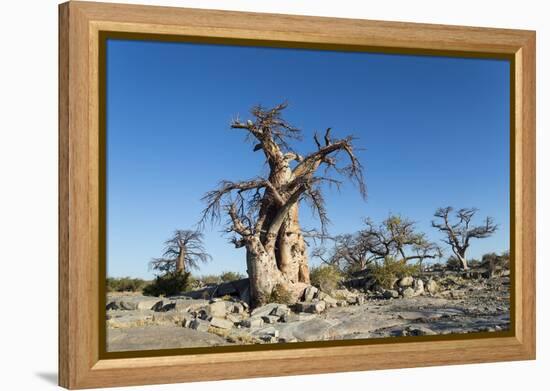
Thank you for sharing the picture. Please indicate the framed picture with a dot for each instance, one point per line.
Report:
(246, 195)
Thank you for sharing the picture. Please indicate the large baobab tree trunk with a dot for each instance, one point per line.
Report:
(264, 212)
(291, 251)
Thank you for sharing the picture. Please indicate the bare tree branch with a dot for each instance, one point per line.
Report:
(459, 234)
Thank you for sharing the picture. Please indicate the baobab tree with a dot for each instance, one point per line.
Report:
(350, 253)
(459, 234)
(264, 212)
(183, 251)
(395, 237)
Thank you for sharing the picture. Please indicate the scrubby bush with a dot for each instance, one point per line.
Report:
(494, 262)
(473, 263)
(215, 279)
(325, 277)
(169, 284)
(281, 295)
(389, 270)
(125, 284)
(230, 276)
(453, 263)
(209, 279)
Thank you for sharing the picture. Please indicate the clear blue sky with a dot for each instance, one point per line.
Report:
(435, 132)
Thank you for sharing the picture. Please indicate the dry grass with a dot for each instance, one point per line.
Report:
(243, 339)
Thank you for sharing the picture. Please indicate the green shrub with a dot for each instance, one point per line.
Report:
(386, 273)
(230, 276)
(169, 284)
(281, 295)
(125, 284)
(453, 263)
(325, 277)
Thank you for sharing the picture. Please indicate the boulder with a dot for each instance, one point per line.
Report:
(312, 308)
(159, 306)
(280, 310)
(331, 301)
(431, 287)
(235, 318)
(271, 331)
(405, 282)
(186, 322)
(360, 300)
(297, 317)
(408, 292)
(310, 293)
(132, 303)
(268, 338)
(203, 313)
(252, 322)
(270, 319)
(217, 309)
(287, 339)
(199, 325)
(264, 310)
(237, 308)
(390, 294)
(180, 305)
(418, 330)
(418, 287)
(221, 323)
(269, 334)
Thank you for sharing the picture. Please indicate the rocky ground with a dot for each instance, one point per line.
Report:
(443, 304)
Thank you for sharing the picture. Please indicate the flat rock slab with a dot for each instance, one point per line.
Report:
(125, 319)
(159, 337)
(183, 304)
(132, 302)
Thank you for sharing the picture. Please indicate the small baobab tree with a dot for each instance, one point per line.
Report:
(350, 253)
(459, 233)
(263, 212)
(396, 237)
(183, 251)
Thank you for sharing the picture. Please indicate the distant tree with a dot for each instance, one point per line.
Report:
(349, 253)
(228, 276)
(395, 237)
(183, 251)
(459, 234)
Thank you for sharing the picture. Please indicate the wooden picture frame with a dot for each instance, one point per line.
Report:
(81, 24)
